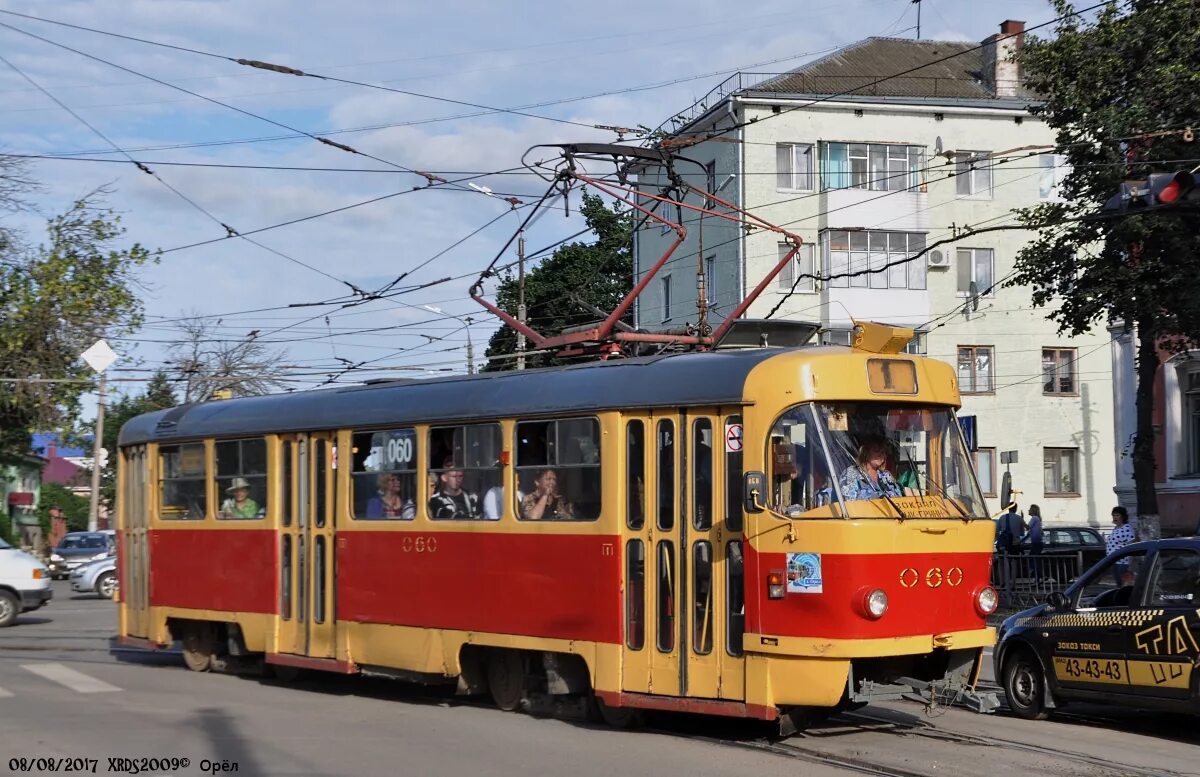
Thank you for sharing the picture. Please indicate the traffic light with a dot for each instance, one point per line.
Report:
(1158, 191)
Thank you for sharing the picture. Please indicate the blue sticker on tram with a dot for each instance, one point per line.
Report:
(804, 573)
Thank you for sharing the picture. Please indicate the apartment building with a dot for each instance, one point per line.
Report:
(870, 170)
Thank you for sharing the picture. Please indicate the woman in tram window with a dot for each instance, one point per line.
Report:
(239, 504)
(545, 502)
(868, 477)
(389, 503)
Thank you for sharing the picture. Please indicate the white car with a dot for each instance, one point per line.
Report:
(24, 583)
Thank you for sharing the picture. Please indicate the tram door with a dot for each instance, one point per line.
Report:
(134, 521)
(678, 556)
(306, 606)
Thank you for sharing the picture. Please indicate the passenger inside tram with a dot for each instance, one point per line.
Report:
(450, 501)
(546, 502)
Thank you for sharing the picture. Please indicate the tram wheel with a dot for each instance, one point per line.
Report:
(199, 647)
(616, 717)
(1025, 686)
(506, 678)
(284, 673)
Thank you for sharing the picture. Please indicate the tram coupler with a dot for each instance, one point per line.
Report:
(933, 694)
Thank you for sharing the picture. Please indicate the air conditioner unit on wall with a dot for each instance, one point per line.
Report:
(938, 259)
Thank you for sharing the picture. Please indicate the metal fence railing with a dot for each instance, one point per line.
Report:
(1024, 580)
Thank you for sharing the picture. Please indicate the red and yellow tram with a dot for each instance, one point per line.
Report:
(737, 533)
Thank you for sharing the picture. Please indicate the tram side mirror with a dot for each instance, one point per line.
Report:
(1057, 600)
(754, 489)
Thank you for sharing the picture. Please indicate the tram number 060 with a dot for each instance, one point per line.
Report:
(419, 544)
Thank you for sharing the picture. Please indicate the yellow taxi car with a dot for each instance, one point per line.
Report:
(1126, 632)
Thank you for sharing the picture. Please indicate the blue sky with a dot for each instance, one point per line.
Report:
(495, 54)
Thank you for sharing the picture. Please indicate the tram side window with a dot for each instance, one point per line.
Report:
(466, 479)
(558, 470)
(242, 479)
(384, 474)
(183, 487)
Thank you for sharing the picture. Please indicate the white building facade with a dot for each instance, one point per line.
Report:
(870, 170)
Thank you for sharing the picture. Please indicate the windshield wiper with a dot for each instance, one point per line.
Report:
(903, 515)
(946, 497)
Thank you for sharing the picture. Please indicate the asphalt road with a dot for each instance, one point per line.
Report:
(64, 693)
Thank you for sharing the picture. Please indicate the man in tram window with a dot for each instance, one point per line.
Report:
(239, 504)
(545, 503)
(450, 502)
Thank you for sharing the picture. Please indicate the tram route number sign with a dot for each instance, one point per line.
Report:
(397, 450)
(733, 438)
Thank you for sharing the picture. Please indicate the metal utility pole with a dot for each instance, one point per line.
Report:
(99, 357)
(97, 452)
(917, 3)
(470, 348)
(521, 298)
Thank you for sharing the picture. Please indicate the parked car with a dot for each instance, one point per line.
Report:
(1072, 539)
(1127, 632)
(99, 576)
(78, 547)
(24, 583)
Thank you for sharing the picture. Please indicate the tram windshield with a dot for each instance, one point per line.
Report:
(871, 460)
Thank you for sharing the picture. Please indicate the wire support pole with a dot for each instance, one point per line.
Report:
(521, 312)
(97, 452)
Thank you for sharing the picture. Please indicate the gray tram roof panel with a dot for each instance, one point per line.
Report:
(689, 379)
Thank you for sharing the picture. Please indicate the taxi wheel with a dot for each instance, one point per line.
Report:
(1025, 686)
(10, 608)
(506, 678)
(198, 647)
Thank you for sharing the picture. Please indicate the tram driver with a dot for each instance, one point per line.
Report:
(450, 502)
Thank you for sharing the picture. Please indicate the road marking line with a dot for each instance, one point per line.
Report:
(65, 675)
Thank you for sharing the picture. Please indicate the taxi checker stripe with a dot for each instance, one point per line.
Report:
(1119, 618)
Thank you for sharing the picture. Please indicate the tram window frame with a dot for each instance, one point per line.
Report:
(235, 451)
(556, 444)
(702, 597)
(635, 594)
(665, 474)
(372, 460)
(635, 475)
(169, 482)
(665, 596)
(702, 466)
(733, 479)
(285, 488)
(735, 597)
(476, 450)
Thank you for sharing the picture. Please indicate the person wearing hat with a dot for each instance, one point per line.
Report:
(239, 504)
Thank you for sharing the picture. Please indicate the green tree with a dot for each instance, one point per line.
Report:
(1114, 89)
(599, 273)
(158, 395)
(75, 508)
(55, 301)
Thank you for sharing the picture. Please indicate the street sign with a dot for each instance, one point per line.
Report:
(99, 357)
(733, 438)
(1008, 457)
(967, 422)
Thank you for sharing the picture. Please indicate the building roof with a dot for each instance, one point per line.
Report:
(866, 68)
(63, 472)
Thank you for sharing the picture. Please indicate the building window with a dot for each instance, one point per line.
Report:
(1061, 468)
(973, 174)
(871, 166)
(1191, 420)
(985, 469)
(802, 267)
(1058, 370)
(664, 285)
(710, 279)
(917, 346)
(793, 167)
(1054, 169)
(975, 369)
(882, 260)
(975, 266)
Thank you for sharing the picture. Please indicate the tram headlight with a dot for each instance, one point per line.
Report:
(872, 603)
(986, 600)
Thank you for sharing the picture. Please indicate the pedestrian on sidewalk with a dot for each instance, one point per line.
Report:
(1034, 534)
(1121, 535)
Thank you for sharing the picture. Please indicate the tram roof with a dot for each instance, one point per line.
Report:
(687, 379)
